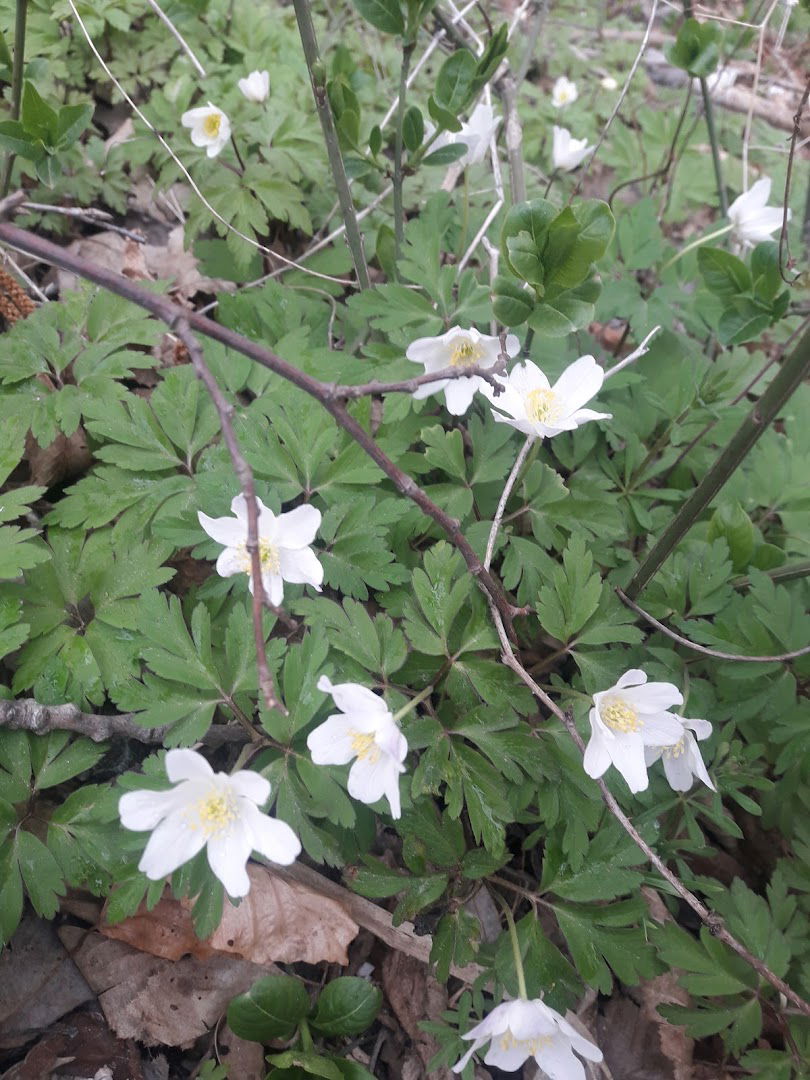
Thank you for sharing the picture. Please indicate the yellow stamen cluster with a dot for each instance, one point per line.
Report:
(214, 814)
(530, 1046)
(676, 749)
(364, 746)
(465, 354)
(542, 405)
(211, 125)
(268, 556)
(620, 716)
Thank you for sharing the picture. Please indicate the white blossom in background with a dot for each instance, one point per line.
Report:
(256, 87)
(476, 134)
(718, 81)
(682, 760)
(608, 83)
(567, 152)
(564, 92)
(519, 1030)
(365, 730)
(207, 809)
(284, 550)
(541, 410)
(752, 218)
(210, 127)
(626, 719)
(459, 349)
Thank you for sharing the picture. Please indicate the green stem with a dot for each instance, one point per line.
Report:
(317, 75)
(696, 243)
(708, 108)
(16, 81)
(307, 1044)
(399, 215)
(412, 704)
(793, 371)
(510, 922)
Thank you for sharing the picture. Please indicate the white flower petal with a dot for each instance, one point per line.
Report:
(187, 765)
(273, 585)
(300, 566)
(171, 845)
(228, 853)
(558, 1062)
(580, 381)
(272, 838)
(653, 697)
(297, 528)
(628, 757)
(225, 530)
(461, 1064)
(332, 742)
(660, 729)
(142, 810)
(356, 699)
(232, 561)
(370, 780)
(458, 395)
(701, 728)
(251, 785)
(633, 677)
(596, 760)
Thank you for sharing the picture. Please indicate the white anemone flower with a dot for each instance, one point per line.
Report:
(256, 87)
(541, 410)
(564, 92)
(207, 809)
(210, 127)
(519, 1030)
(476, 134)
(625, 719)
(717, 82)
(608, 83)
(284, 550)
(364, 729)
(567, 152)
(682, 760)
(459, 349)
(752, 218)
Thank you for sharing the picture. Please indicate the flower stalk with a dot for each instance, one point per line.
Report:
(792, 373)
(697, 243)
(317, 75)
(513, 937)
(16, 81)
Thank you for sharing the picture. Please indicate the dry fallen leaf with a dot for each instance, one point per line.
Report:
(414, 995)
(39, 982)
(167, 261)
(157, 1001)
(85, 1043)
(279, 920)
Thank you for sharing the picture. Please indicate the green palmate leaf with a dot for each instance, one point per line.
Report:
(346, 1006)
(38, 118)
(271, 1009)
(573, 596)
(385, 15)
(455, 942)
(731, 522)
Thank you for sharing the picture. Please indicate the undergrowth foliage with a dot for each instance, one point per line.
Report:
(383, 650)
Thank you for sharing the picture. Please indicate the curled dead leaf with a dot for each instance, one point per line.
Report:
(278, 921)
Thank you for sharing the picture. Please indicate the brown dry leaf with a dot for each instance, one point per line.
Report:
(157, 1001)
(67, 456)
(279, 920)
(414, 995)
(245, 1060)
(168, 261)
(86, 1045)
(39, 982)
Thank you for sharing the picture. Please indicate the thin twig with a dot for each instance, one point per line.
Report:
(244, 475)
(317, 76)
(26, 714)
(408, 386)
(620, 101)
(716, 653)
(184, 45)
(635, 355)
(91, 215)
(783, 237)
(165, 309)
(399, 213)
(507, 491)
